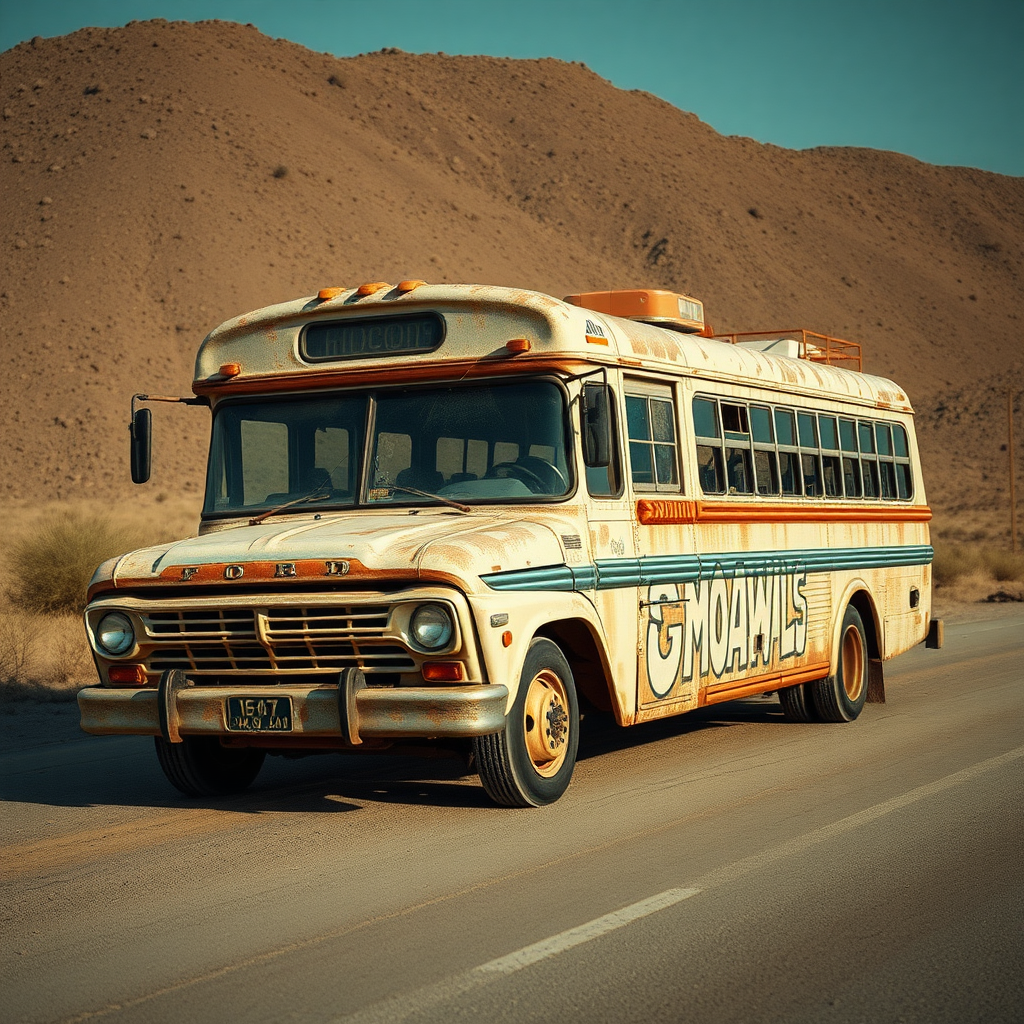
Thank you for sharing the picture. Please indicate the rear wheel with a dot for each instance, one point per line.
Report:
(840, 697)
(200, 766)
(798, 703)
(530, 762)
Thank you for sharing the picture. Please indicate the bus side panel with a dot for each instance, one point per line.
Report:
(667, 683)
(772, 615)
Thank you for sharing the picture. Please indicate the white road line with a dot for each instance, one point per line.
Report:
(758, 861)
(400, 1007)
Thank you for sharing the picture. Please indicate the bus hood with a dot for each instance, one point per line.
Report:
(431, 545)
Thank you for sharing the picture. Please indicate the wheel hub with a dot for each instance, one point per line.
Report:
(546, 722)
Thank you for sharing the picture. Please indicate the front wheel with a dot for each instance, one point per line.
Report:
(200, 766)
(840, 697)
(530, 762)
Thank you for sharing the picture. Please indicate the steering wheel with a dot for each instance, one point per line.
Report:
(521, 469)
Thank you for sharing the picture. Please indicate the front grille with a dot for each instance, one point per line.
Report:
(278, 641)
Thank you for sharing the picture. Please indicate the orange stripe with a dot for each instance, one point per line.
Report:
(655, 512)
(263, 572)
(389, 373)
(734, 689)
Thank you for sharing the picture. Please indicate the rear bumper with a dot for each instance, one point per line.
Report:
(386, 713)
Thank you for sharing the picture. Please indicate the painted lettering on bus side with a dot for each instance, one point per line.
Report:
(723, 625)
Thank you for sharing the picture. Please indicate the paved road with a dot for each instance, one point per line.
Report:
(723, 866)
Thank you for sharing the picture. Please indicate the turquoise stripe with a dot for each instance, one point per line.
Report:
(613, 573)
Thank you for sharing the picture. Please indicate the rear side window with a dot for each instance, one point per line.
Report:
(758, 448)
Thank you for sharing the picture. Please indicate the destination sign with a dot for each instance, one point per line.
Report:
(371, 338)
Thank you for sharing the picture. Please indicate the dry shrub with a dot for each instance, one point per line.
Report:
(18, 640)
(1005, 566)
(43, 657)
(68, 660)
(955, 562)
(50, 569)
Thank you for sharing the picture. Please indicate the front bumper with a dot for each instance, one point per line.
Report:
(317, 713)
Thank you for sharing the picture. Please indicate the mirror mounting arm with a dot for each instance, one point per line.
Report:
(141, 430)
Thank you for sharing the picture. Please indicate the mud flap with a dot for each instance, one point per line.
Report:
(171, 681)
(936, 635)
(350, 683)
(876, 684)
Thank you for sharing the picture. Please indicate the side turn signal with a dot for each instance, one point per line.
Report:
(442, 671)
(129, 675)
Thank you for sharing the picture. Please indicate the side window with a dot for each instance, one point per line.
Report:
(868, 461)
(606, 481)
(766, 465)
(831, 470)
(789, 456)
(651, 426)
(904, 482)
(708, 434)
(738, 473)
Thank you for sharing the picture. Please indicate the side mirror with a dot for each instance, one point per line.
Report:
(142, 444)
(596, 424)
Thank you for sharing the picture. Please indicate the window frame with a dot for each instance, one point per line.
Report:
(651, 391)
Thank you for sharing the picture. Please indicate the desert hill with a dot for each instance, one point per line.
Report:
(159, 178)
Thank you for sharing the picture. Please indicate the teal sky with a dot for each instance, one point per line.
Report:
(941, 80)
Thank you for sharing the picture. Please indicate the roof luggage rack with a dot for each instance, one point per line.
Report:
(801, 344)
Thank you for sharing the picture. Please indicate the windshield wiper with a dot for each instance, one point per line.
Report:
(318, 495)
(436, 497)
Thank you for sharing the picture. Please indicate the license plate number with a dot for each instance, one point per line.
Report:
(259, 714)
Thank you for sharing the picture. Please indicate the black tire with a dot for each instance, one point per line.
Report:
(530, 762)
(798, 703)
(840, 697)
(200, 766)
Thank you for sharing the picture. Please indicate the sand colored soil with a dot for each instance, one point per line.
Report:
(159, 178)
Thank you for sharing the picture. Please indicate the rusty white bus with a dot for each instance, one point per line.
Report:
(446, 515)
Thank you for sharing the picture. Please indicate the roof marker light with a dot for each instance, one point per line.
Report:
(372, 287)
(329, 293)
(230, 369)
(517, 345)
(408, 286)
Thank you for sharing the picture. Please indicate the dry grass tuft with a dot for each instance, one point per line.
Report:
(955, 562)
(1005, 566)
(50, 568)
(17, 645)
(43, 657)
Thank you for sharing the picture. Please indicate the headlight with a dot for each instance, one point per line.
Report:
(115, 634)
(432, 626)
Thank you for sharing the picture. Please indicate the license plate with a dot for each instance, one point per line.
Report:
(259, 714)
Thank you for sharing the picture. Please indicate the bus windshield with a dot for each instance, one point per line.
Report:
(465, 443)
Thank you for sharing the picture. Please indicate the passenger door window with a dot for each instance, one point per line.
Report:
(653, 449)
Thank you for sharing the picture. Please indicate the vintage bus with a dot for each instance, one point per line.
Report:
(447, 515)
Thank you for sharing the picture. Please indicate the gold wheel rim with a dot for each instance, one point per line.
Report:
(546, 723)
(853, 663)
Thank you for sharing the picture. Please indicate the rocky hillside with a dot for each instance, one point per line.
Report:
(159, 178)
